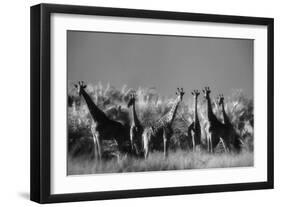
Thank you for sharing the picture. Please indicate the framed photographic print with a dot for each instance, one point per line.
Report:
(132, 103)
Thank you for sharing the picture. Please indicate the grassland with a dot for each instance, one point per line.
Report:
(179, 160)
(150, 107)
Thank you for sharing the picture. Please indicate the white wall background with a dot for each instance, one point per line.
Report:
(14, 136)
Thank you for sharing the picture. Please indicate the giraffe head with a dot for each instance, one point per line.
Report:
(221, 99)
(80, 86)
(195, 93)
(132, 99)
(206, 91)
(180, 93)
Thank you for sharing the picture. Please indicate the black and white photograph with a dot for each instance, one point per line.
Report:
(131, 103)
(148, 102)
(139, 103)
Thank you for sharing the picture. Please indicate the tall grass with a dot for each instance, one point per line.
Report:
(150, 107)
(178, 160)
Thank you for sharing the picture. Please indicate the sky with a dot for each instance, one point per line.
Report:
(163, 62)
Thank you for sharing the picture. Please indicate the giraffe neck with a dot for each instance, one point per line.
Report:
(211, 116)
(225, 117)
(136, 121)
(97, 114)
(168, 118)
(173, 111)
(195, 111)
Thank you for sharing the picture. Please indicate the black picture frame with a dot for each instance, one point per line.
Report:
(41, 99)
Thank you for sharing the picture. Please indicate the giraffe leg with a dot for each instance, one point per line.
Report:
(165, 147)
(208, 144)
(136, 149)
(211, 144)
(96, 142)
(95, 146)
(146, 150)
(145, 142)
(223, 144)
(166, 143)
(99, 150)
(146, 153)
(228, 147)
(132, 139)
(193, 144)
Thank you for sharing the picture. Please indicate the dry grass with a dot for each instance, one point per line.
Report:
(179, 160)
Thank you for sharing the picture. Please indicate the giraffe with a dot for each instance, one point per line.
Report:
(102, 127)
(225, 117)
(136, 128)
(216, 131)
(195, 125)
(233, 136)
(161, 132)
